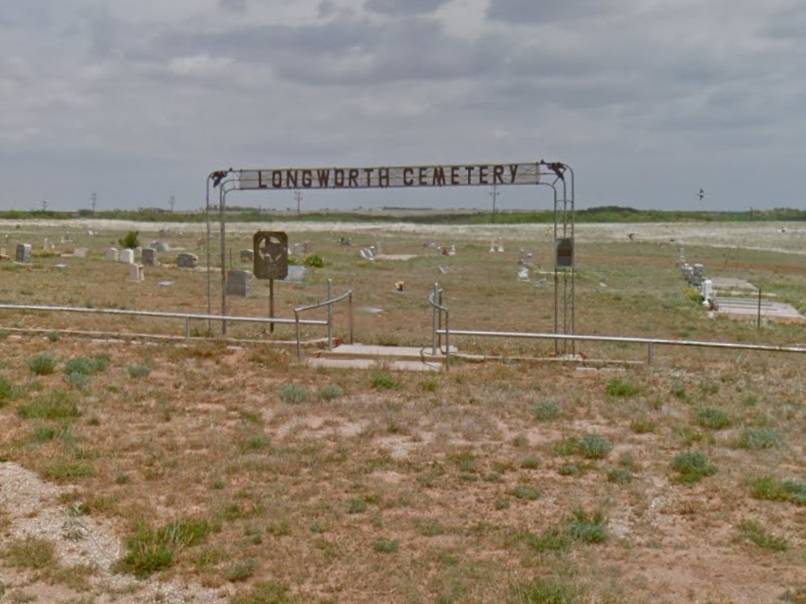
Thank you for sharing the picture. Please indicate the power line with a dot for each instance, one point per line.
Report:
(298, 199)
(172, 202)
(94, 201)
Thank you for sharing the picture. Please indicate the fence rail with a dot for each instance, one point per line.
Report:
(329, 303)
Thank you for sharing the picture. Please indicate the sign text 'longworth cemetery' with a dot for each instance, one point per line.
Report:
(391, 177)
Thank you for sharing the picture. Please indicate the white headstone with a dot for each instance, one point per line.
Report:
(112, 254)
(127, 256)
(136, 272)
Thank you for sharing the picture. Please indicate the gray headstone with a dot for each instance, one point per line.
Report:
(186, 260)
(24, 252)
(296, 273)
(239, 283)
(127, 256)
(149, 256)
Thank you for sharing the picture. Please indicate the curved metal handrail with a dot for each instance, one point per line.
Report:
(439, 309)
(328, 303)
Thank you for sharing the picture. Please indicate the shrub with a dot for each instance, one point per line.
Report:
(752, 531)
(149, 550)
(544, 411)
(713, 418)
(314, 261)
(294, 394)
(760, 438)
(692, 466)
(137, 371)
(773, 489)
(620, 389)
(526, 491)
(546, 591)
(79, 380)
(568, 469)
(130, 240)
(265, 592)
(42, 364)
(330, 392)
(619, 476)
(357, 505)
(594, 446)
(382, 380)
(82, 365)
(241, 570)
(56, 404)
(642, 425)
(386, 546)
(587, 527)
(553, 539)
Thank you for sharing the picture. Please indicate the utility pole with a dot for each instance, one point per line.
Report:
(298, 199)
(94, 201)
(172, 202)
(44, 205)
(494, 194)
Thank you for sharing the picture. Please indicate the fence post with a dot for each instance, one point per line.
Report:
(758, 315)
(650, 353)
(447, 343)
(299, 348)
(350, 315)
(434, 320)
(187, 327)
(329, 316)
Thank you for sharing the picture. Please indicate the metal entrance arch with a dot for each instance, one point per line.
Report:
(556, 175)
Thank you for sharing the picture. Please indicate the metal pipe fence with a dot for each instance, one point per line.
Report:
(328, 303)
(435, 299)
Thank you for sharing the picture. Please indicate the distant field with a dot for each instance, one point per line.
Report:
(155, 472)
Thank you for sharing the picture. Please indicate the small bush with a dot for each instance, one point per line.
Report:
(546, 591)
(82, 365)
(760, 438)
(526, 491)
(544, 411)
(294, 394)
(750, 530)
(553, 539)
(76, 379)
(530, 463)
(53, 336)
(265, 592)
(587, 527)
(594, 446)
(568, 469)
(619, 476)
(357, 505)
(240, 570)
(56, 404)
(68, 470)
(330, 392)
(386, 546)
(130, 240)
(149, 550)
(692, 466)
(429, 385)
(137, 371)
(713, 418)
(42, 364)
(618, 388)
(314, 261)
(642, 425)
(773, 489)
(32, 553)
(382, 380)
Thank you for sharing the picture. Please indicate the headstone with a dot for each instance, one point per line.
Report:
(149, 256)
(45, 244)
(160, 246)
(239, 283)
(186, 260)
(127, 256)
(247, 256)
(523, 273)
(24, 252)
(367, 254)
(136, 273)
(296, 273)
(112, 254)
(698, 275)
(707, 291)
(80, 252)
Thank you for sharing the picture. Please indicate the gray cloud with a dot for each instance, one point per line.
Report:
(404, 7)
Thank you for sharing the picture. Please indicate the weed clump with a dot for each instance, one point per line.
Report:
(713, 418)
(56, 404)
(546, 591)
(692, 466)
(266, 592)
(773, 489)
(594, 446)
(7, 391)
(642, 425)
(386, 546)
(149, 550)
(619, 476)
(138, 371)
(42, 364)
(545, 411)
(294, 394)
(382, 380)
(357, 505)
(330, 392)
(750, 530)
(31, 552)
(618, 388)
(760, 438)
(526, 491)
(587, 527)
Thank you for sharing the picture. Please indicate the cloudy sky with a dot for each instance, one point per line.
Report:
(648, 100)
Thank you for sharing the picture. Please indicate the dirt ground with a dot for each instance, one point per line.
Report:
(199, 471)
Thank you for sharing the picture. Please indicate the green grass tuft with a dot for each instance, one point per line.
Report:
(526, 491)
(383, 380)
(138, 371)
(713, 418)
(692, 466)
(266, 592)
(546, 591)
(773, 489)
(544, 411)
(294, 394)
(760, 438)
(56, 404)
(149, 550)
(587, 527)
(594, 446)
(330, 392)
(750, 530)
(42, 364)
(386, 546)
(618, 388)
(31, 552)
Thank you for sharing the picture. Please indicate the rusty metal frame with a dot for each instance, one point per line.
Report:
(556, 175)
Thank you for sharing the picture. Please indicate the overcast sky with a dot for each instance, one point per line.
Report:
(647, 100)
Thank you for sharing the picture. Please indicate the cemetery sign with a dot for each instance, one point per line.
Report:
(479, 175)
(270, 255)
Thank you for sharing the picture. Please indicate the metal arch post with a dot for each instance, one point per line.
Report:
(209, 272)
(329, 316)
(222, 201)
(574, 265)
